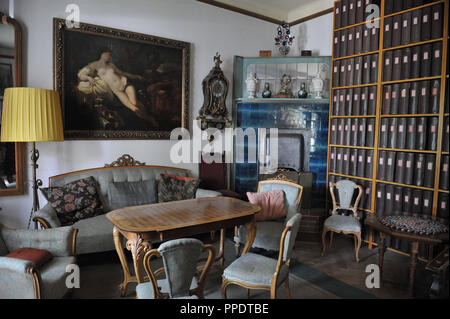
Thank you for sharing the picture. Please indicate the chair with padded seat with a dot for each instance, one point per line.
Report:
(254, 271)
(180, 259)
(345, 224)
(268, 232)
(23, 279)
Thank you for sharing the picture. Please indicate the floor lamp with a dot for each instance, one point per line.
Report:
(31, 115)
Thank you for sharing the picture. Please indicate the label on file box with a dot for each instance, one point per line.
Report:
(445, 167)
(340, 127)
(405, 59)
(343, 68)
(365, 33)
(415, 20)
(356, 97)
(361, 128)
(387, 96)
(404, 93)
(406, 199)
(396, 60)
(425, 55)
(339, 156)
(351, 6)
(410, 128)
(365, 65)
(357, 35)
(388, 196)
(350, 36)
(435, 91)
(416, 200)
(413, 93)
(369, 128)
(353, 127)
(381, 161)
(437, 54)
(367, 190)
(374, 30)
(349, 67)
(359, 4)
(425, 202)
(387, 61)
(379, 194)
(383, 128)
(443, 205)
(397, 197)
(430, 166)
(400, 163)
(335, 40)
(405, 23)
(414, 57)
(400, 128)
(386, 29)
(363, 96)
(420, 128)
(425, 18)
(360, 159)
(419, 165)
(332, 156)
(395, 25)
(352, 158)
(337, 10)
(408, 164)
(392, 128)
(424, 91)
(345, 157)
(333, 128)
(436, 15)
(344, 8)
(374, 64)
(389, 162)
(394, 94)
(433, 128)
(369, 159)
(335, 98)
(347, 97)
(341, 98)
(372, 96)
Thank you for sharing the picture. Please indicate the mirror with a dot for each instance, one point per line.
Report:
(11, 154)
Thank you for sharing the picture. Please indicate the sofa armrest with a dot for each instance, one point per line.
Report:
(18, 279)
(59, 241)
(206, 193)
(47, 217)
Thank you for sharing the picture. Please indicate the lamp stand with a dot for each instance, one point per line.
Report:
(36, 184)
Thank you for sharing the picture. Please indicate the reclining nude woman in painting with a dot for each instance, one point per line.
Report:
(102, 77)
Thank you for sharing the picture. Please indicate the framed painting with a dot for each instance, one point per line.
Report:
(117, 84)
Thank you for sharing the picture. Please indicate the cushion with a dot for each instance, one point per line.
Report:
(343, 223)
(37, 256)
(254, 269)
(124, 194)
(271, 203)
(173, 188)
(75, 201)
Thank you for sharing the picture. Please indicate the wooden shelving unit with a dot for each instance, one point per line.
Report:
(376, 148)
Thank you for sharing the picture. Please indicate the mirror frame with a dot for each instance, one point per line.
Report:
(4, 19)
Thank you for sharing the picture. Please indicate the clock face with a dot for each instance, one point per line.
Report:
(218, 87)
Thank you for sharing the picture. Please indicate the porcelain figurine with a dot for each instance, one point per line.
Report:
(317, 86)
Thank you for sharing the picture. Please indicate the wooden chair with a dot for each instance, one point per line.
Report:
(341, 223)
(180, 258)
(254, 271)
(269, 232)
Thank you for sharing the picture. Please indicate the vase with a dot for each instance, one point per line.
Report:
(251, 85)
(267, 93)
(302, 94)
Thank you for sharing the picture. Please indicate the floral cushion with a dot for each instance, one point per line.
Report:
(172, 188)
(75, 201)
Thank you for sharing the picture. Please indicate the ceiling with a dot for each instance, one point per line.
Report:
(276, 10)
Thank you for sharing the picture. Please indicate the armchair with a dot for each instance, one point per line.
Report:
(180, 258)
(254, 271)
(269, 232)
(21, 278)
(337, 223)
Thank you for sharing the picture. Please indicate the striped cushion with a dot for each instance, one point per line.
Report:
(125, 194)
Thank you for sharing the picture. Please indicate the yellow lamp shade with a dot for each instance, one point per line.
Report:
(31, 115)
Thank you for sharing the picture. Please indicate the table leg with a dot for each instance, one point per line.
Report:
(412, 270)
(123, 261)
(138, 248)
(381, 250)
(251, 228)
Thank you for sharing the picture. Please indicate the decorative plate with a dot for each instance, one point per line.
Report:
(411, 224)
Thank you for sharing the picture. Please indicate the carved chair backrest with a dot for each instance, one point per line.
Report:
(345, 190)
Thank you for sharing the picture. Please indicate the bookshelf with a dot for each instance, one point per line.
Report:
(407, 57)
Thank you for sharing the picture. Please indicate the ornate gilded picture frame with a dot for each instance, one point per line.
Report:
(117, 84)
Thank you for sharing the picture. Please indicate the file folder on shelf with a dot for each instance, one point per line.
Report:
(409, 168)
(416, 18)
(414, 97)
(400, 168)
(410, 133)
(430, 162)
(444, 176)
(437, 20)
(433, 123)
(419, 170)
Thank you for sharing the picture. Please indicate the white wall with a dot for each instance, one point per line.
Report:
(315, 35)
(209, 30)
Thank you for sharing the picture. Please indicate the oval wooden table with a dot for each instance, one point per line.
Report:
(142, 225)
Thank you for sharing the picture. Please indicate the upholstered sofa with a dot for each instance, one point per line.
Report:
(96, 234)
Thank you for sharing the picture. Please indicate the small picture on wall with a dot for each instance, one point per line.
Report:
(117, 84)
(6, 74)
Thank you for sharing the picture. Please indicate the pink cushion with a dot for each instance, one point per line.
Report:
(271, 203)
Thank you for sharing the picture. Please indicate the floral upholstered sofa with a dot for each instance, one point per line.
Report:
(95, 234)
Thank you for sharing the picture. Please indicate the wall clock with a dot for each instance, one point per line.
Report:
(214, 112)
